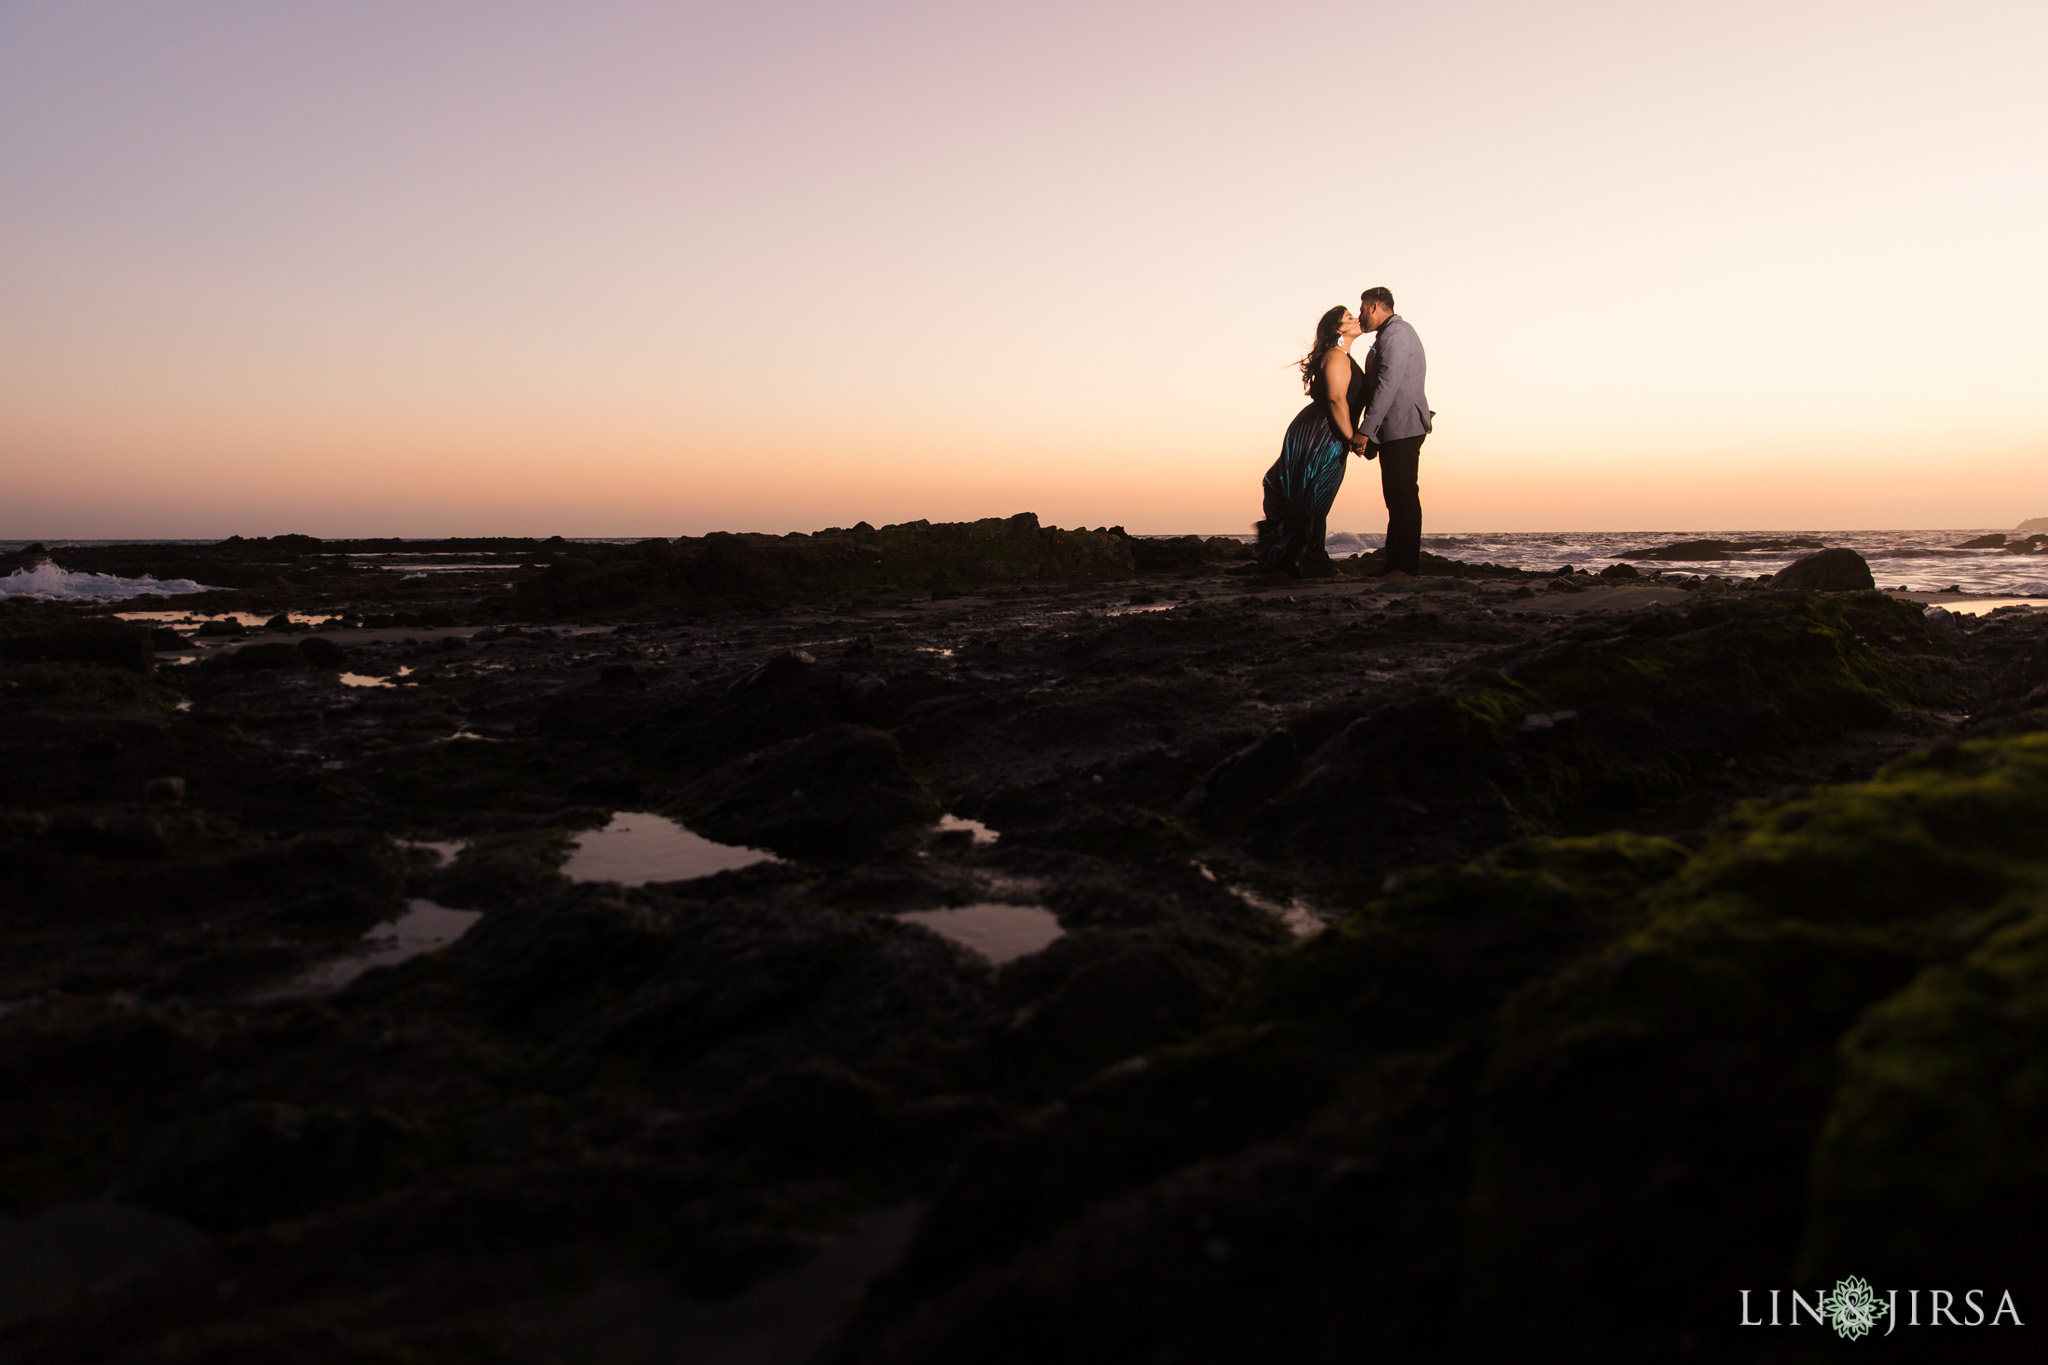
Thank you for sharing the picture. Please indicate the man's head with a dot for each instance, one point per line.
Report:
(1375, 306)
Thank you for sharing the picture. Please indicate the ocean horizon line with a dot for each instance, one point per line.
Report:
(16, 544)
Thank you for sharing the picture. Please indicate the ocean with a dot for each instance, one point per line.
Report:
(1920, 561)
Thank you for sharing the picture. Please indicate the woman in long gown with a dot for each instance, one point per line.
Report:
(1303, 482)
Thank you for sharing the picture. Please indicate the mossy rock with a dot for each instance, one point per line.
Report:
(1624, 714)
(1580, 1091)
(1805, 1019)
(1431, 962)
(1930, 1166)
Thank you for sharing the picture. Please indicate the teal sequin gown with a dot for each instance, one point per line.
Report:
(1303, 483)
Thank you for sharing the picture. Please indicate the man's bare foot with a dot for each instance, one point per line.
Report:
(1391, 576)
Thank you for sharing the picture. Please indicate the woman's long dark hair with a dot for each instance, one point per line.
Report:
(1326, 341)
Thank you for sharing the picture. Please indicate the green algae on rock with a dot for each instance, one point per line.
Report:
(1617, 715)
(1624, 1079)
(1747, 1063)
(1931, 1151)
(1198, 1140)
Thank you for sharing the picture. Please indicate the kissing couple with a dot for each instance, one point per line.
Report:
(1377, 410)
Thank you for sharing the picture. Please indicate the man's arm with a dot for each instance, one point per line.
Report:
(1399, 354)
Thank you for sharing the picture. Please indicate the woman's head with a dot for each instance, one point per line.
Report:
(1338, 325)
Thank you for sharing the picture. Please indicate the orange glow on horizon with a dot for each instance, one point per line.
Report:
(553, 273)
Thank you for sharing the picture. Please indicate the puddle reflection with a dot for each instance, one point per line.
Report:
(639, 847)
(370, 680)
(446, 850)
(1984, 606)
(251, 620)
(1000, 933)
(424, 928)
(1299, 918)
(982, 833)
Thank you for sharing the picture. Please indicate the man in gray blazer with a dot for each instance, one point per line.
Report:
(1397, 417)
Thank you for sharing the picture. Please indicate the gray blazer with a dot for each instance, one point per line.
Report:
(1398, 407)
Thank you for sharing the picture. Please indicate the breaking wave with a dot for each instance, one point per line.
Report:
(49, 581)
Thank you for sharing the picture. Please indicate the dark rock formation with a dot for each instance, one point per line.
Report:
(1432, 566)
(270, 654)
(919, 553)
(258, 1161)
(1186, 554)
(2016, 646)
(1652, 710)
(1247, 778)
(1573, 1092)
(323, 653)
(1829, 571)
(1547, 1075)
(1694, 550)
(108, 643)
(842, 791)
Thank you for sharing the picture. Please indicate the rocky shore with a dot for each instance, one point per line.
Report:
(1440, 967)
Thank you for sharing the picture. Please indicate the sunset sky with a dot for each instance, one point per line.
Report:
(441, 268)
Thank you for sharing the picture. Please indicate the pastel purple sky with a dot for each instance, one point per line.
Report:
(625, 269)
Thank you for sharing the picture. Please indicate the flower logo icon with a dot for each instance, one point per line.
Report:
(1853, 1308)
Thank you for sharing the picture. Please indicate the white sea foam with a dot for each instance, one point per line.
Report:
(58, 584)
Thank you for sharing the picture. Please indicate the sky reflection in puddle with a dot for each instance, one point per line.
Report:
(982, 833)
(1984, 606)
(369, 680)
(1000, 933)
(1300, 919)
(447, 850)
(424, 928)
(639, 846)
(253, 620)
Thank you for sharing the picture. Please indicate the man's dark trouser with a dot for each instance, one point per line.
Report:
(1399, 462)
